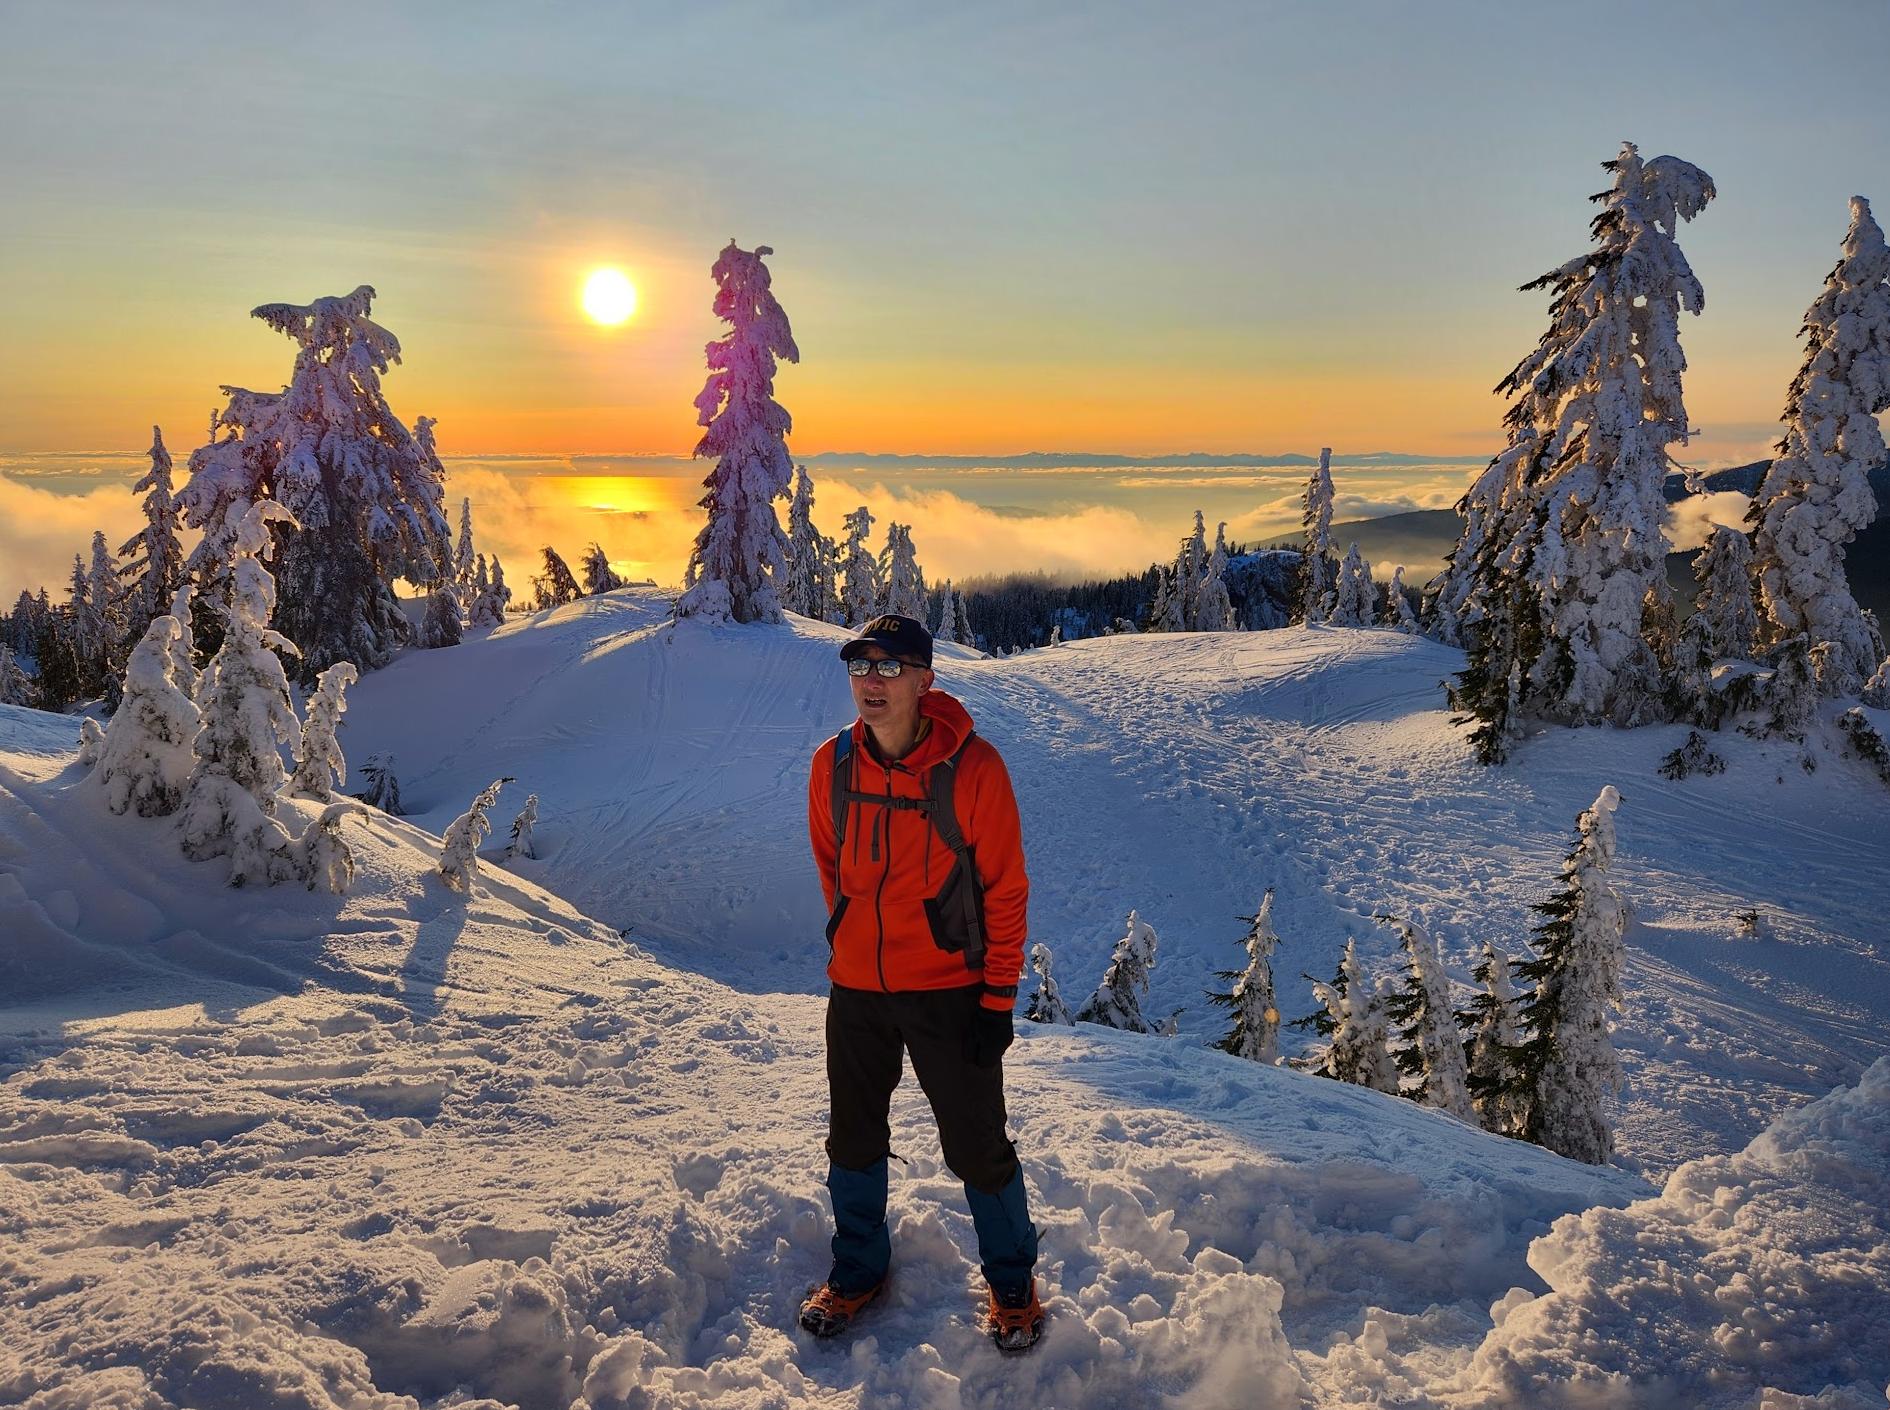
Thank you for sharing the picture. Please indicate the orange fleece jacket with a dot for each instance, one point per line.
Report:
(895, 861)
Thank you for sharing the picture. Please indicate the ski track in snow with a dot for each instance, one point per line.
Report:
(407, 1149)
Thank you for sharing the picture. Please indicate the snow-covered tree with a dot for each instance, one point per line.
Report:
(459, 849)
(145, 758)
(1190, 568)
(1566, 1067)
(184, 672)
(1427, 1026)
(1056, 634)
(555, 586)
(739, 555)
(1117, 1000)
(320, 767)
(57, 683)
(947, 614)
(441, 625)
(522, 825)
(1046, 1005)
(1316, 519)
(963, 635)
(1876, 693)
(488, 608)
(1816, 496)
(365, 492)
(229, 803)
(599, 576)
(1563, 541)
(464, 556)
(1724, 623)
(154, 566)
(808, 586)
(1167, 613)
(1378, 1068)
(16, 687)
(1357, 1047)
(1255, 1033)
(902, 580)
(1213, 608)
(320, 856)
(383, 788)
(1495, 1032)
(1398, 613)
(1352, 598)
(859, 571)
(105, 597)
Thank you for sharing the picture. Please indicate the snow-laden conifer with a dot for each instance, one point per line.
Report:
(441, 626)
(1566, 1066)
(1570, 517)
(145, 758)
(1398, 613)
(599, 576)
(1046, 1005)
(1213, 608)
(320, 857)
(1117, 1001)
(381, 787)
(464, 555)
(738, 556)
(947, 614)
(859, 571)
(1876, 693)
(521, 843)
(1167, 613)
(320, 767)
(91, 741)
(902, 580)
(1724, 623)
(1816, 496)
(153, 570)
(16, 687)
(1426, 1020)
(1190, 568)
(554, 585)
(1321, 565)
(184, 672)
(488, 608)
(807, 586)
(1255, 1032)
(1357, 1033)
(964, 636)
(1352, 604)
(230, 801)
(1494, 1026)
(459, 844)
(1378, 1068)
(365, 492)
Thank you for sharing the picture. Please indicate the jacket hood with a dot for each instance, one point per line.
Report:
(951, 723)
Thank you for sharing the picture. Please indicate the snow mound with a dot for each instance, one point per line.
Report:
(1756, 1278)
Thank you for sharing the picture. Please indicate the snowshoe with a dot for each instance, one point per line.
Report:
(827, 1311)
(1014, 1320)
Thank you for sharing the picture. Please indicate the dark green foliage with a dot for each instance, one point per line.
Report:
(1693, 757)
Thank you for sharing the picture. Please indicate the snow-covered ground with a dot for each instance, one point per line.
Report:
(402, 1147)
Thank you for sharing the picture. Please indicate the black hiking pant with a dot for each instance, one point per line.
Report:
(866, 1034)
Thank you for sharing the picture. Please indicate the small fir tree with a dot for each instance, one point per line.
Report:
(1214, 609)
(320, 767)
(459, 844)
(441, 625)
(859, 573)
(599, 576)
(382, 788)
(808, 583)
(901, 578)
(145, 759)
(963, 635)
(229, 803)
(1432, 1050)
(1255, 1033)
(16, 687)
(1046, 1005)
(1321, 564)
(1725, 620)
(522, 825)
(555, 585)
(154, 557)
(1494, 1025)
(464, 556)
(1352, 605)
(184, 670)
(1398, 613)
(740, 554)
(1816, 496)
(1566, 1068)
(1117, 1002)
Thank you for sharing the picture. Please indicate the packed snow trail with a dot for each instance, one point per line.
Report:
(1180, 776)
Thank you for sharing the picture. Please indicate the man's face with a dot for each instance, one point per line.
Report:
(881, 700)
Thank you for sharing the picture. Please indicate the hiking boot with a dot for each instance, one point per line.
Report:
(1014, 1319)
(827, 1312)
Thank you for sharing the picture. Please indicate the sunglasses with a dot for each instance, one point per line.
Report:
(887, 666)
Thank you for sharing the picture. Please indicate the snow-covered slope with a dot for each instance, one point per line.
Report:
(1182, 776)
(402, 1148)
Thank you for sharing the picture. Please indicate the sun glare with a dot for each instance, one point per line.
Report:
(609, 297)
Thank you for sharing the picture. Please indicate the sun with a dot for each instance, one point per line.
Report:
(609, 296)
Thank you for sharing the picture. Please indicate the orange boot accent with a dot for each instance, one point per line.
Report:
(827, 1312)
(1015, 1323)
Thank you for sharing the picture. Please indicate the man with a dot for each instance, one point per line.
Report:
(927, 926)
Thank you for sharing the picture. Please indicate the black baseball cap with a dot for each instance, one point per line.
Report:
(897, 636)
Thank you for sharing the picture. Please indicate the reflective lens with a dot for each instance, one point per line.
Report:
(886, 666)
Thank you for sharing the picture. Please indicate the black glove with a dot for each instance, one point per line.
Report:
(990, 1035)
